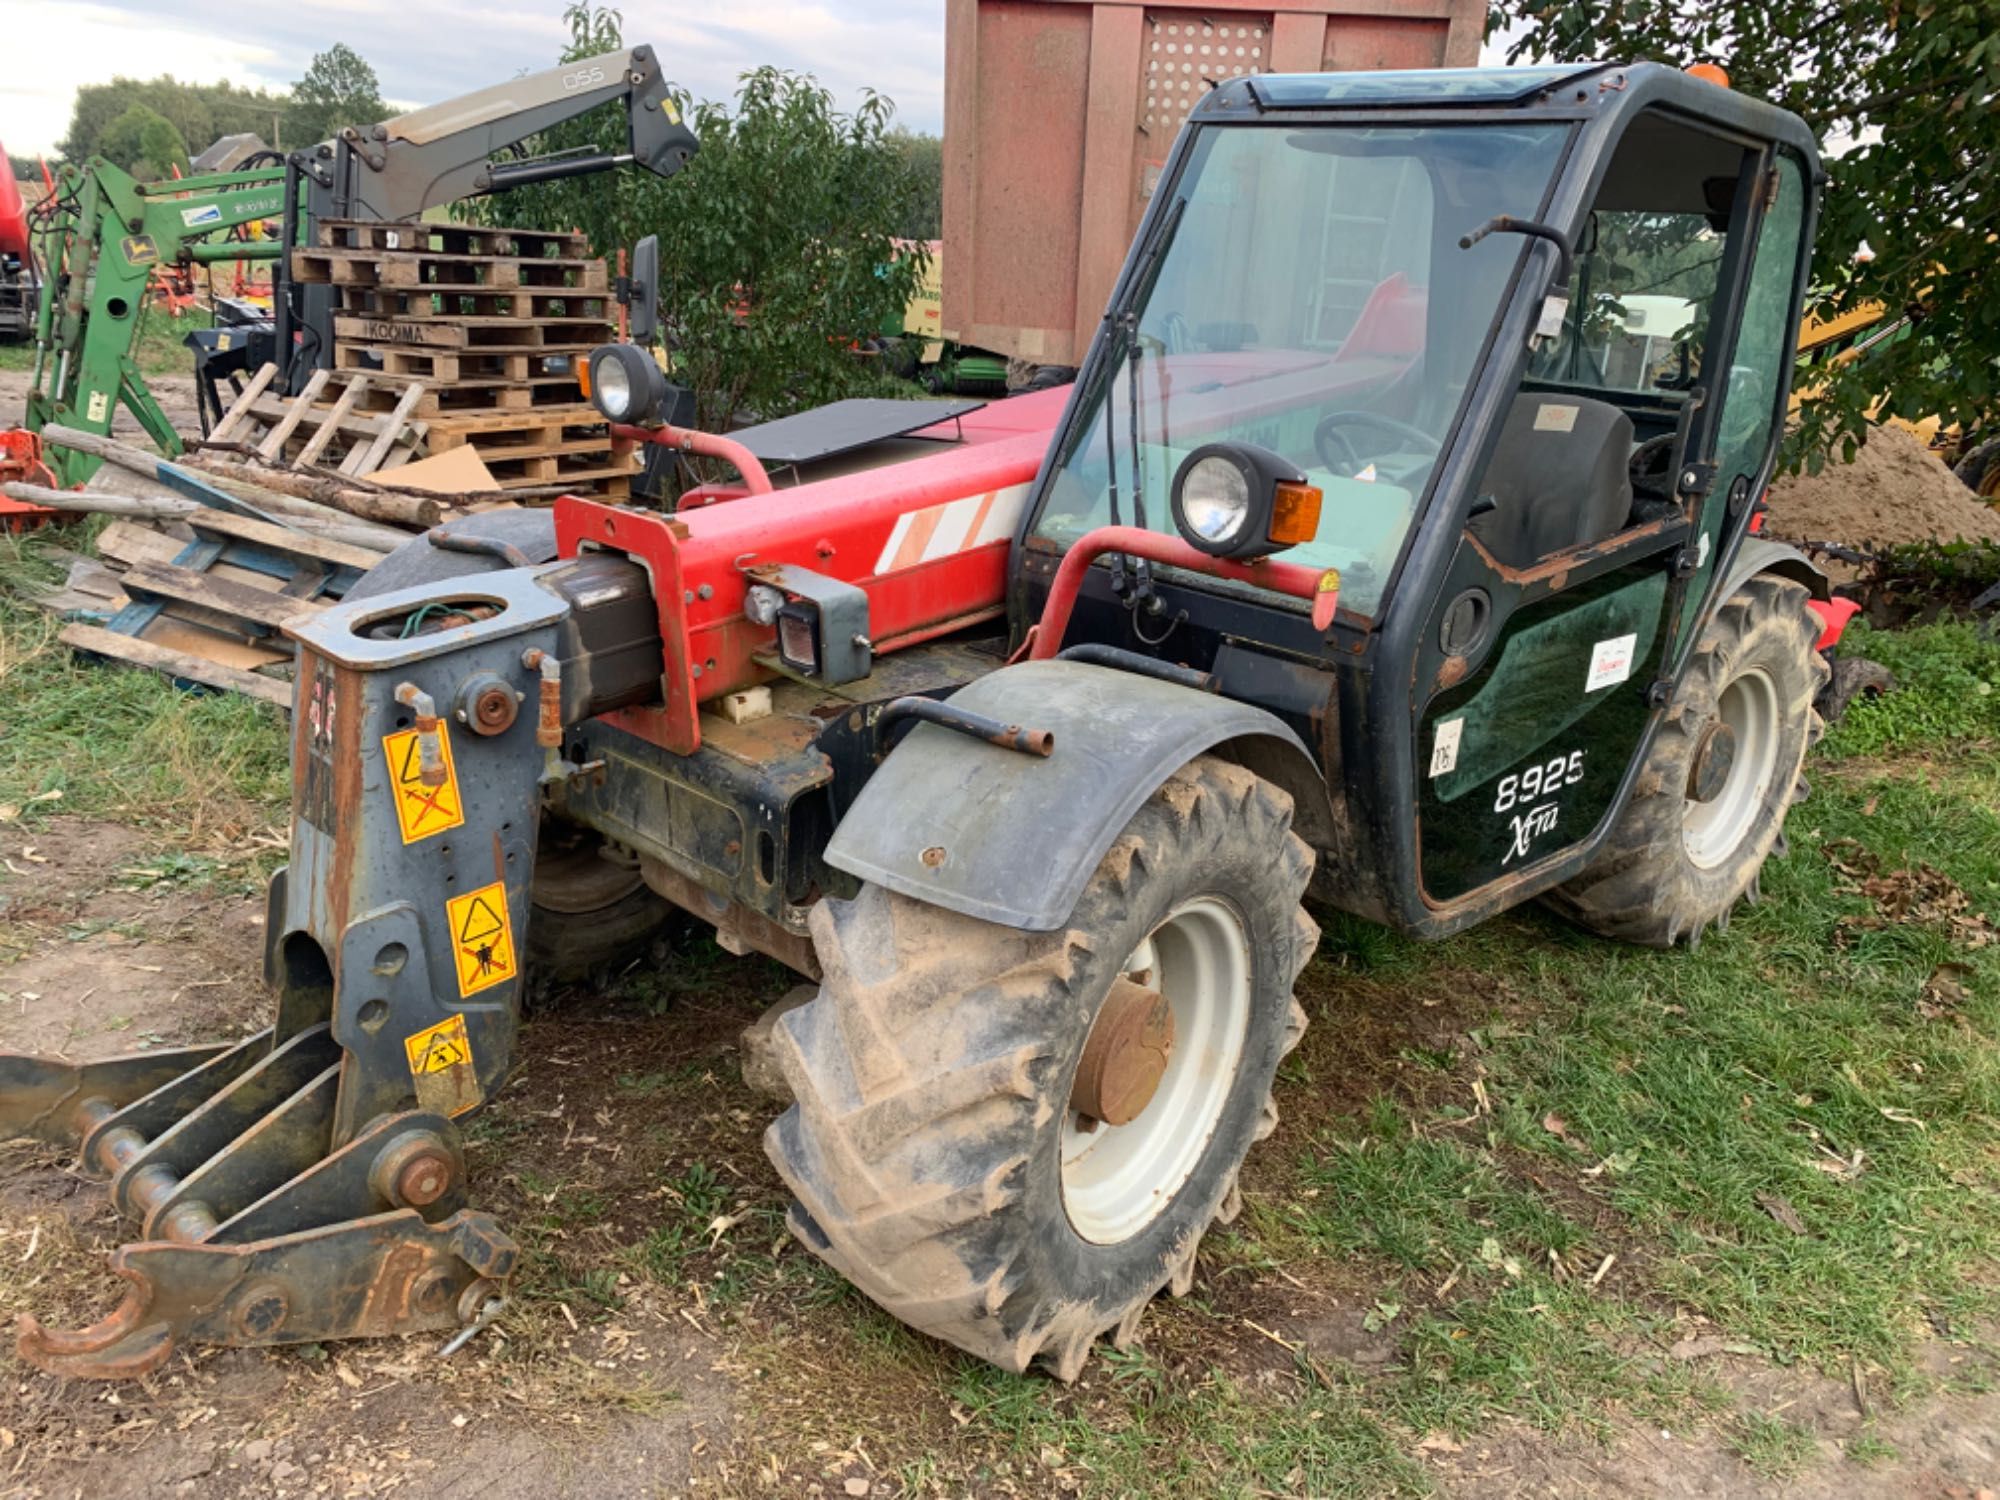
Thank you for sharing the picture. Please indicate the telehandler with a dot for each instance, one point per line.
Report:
(1343, 571)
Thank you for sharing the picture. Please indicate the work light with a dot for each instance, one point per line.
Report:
(1240, 501)
(626, 384)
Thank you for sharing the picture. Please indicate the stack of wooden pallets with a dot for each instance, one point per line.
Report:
(492, 322)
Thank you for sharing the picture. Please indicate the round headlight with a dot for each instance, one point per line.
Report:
(611, 388)
(1214, 501)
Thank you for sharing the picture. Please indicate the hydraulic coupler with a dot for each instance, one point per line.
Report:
(308, 1183)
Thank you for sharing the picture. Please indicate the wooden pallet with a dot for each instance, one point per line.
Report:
(410, 304)
(451, 239)
(551, 335)
(468, 397)
(320, 427)
(538, 429)
(423, 268)
(213, 610)
(444, 367)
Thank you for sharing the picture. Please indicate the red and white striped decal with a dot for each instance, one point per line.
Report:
(922, 536)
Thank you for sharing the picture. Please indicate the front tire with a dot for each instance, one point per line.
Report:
(1678, 862)
(934, 1150)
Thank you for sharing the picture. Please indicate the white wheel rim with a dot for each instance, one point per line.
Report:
(1712, 831)
(1116, 1179)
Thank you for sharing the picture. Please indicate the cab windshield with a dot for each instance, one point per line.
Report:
(1306, 292)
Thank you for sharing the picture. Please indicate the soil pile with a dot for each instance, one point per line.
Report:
(1894, 491)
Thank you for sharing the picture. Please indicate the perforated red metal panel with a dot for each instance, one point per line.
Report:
(1060, 113)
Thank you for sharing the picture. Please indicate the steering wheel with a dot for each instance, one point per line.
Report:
(1328, 433)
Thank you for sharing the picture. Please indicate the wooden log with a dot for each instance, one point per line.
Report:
(397, 508)
(331, 521)
(178, 664)
(92, 502)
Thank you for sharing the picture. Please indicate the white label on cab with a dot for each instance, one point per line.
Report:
(1554, 310)
(1556, 416)
(1444, 749)
(1610, 662)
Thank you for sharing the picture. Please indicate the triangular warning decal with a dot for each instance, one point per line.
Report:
(481, 920)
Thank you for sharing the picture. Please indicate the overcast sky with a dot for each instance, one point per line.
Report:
(427, 50)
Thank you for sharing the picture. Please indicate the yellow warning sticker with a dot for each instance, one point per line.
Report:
(441, 1063)
(482, 939)
(421, 810)
(444, 1046)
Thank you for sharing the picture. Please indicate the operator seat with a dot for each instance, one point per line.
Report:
(1559, 478)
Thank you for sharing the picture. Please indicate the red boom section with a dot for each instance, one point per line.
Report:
(13, 213)
(926, 538)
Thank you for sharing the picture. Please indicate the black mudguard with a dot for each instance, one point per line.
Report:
(1012, 838)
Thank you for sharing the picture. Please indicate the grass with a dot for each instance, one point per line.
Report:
(201, 772)
(1527, 1168)
(158, 349)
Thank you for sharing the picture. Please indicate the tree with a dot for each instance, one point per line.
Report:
(776, 241)
(199, 111)
(339, 89)
(123, 143)
(923, 158)
(1907, 99)
(161, 151)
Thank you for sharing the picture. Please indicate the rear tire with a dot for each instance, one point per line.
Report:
(1673, 866)
(1980, 470)
(587, 912)
(933, 1148)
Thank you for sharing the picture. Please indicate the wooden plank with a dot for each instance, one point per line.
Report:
(449, 239)
(273, 446)
(238, 601)
(243, 403)
(472, 301)
(451, 332)
(331, 422)
(129, 542)
(361, 425)
(372, 457)
(278, 539)
(176, 664)
(439, 367)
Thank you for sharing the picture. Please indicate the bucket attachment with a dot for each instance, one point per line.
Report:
(308, 1182)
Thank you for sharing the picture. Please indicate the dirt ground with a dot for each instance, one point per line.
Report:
(1894, 491)
(673, 1395)
(175, 393)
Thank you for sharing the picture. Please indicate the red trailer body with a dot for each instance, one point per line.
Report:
(1059, 114)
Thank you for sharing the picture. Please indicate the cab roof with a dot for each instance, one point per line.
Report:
(1601, 94)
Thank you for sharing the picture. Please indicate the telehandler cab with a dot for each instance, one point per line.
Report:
(1376, 554)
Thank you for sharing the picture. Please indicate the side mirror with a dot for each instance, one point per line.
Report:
(645, 315)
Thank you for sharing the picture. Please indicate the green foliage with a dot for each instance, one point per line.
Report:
(123, 143)
(1947, 695)
(339, 89)
(162, 152)
(1904, 96)
(200, 112)
(923, 158)
(775, 241)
